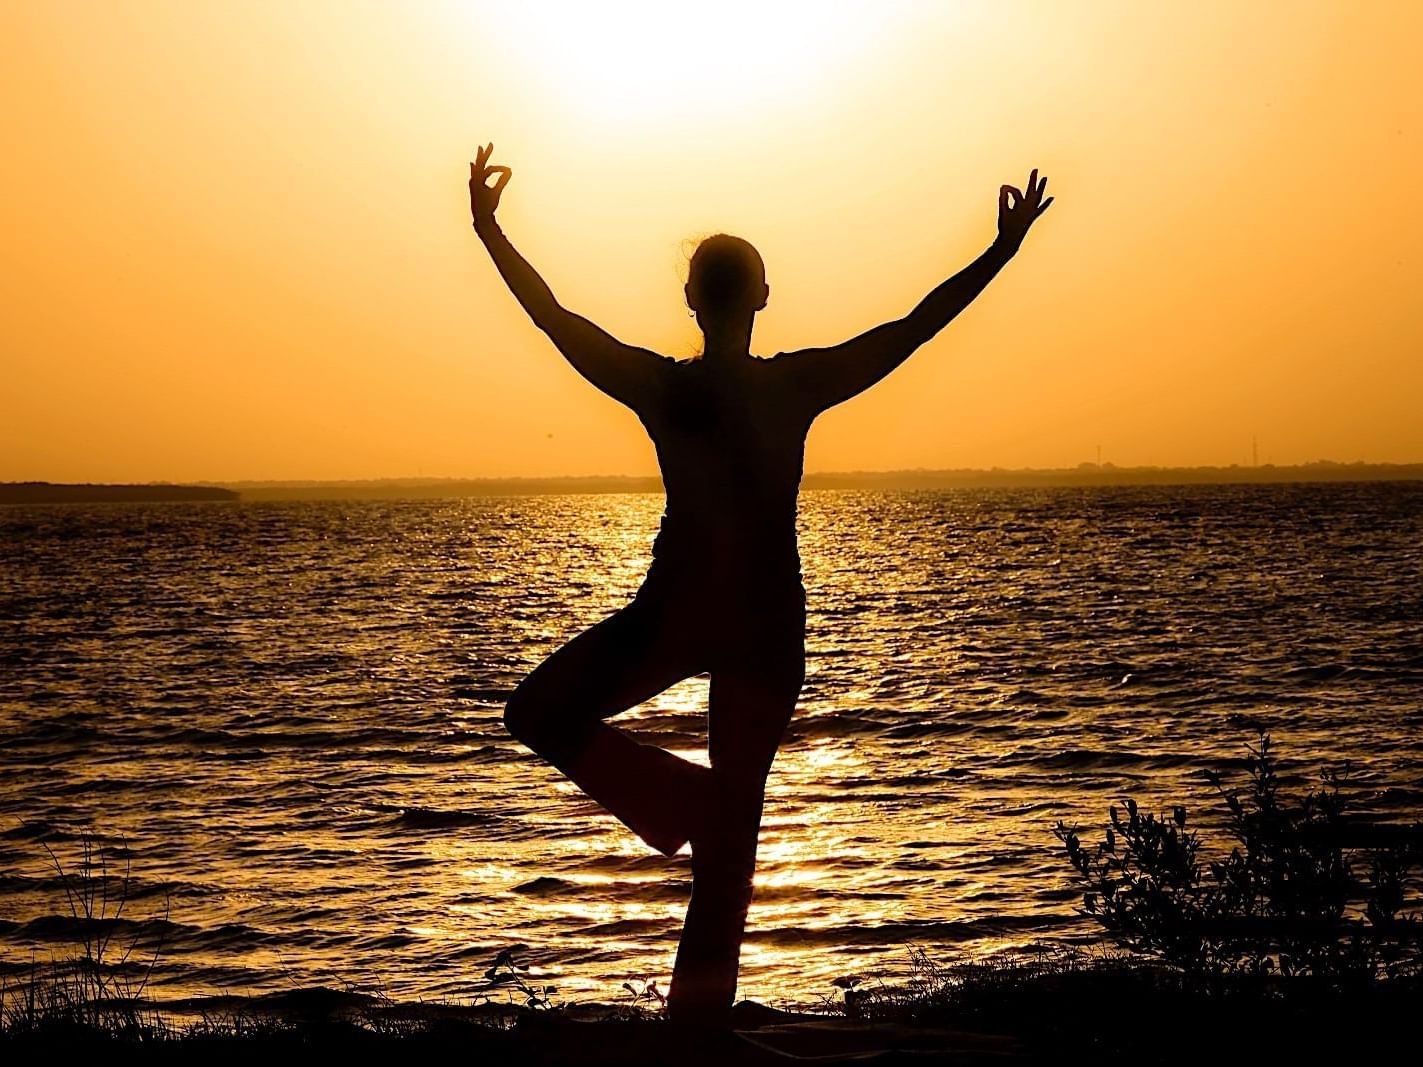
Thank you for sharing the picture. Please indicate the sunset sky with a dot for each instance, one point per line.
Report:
(238, 242)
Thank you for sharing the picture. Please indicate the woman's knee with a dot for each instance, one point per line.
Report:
(539, 721)
(526, 717)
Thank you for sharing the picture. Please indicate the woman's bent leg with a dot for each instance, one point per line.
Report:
(558, 712)
(749, 712)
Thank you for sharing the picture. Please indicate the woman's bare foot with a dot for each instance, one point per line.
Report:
(685, 791)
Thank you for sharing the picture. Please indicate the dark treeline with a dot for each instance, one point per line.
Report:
(49, 493)
(1090, 474)
(1085, 475)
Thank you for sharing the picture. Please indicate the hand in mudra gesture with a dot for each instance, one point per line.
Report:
(483, 197)
(1019, 209)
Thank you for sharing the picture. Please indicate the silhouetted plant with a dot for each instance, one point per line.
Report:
(506, 973)
(644, 998)
(98, 985)
(1310, 888)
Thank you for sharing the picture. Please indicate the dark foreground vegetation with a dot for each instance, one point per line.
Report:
(1296, 943)
(1060, 1007)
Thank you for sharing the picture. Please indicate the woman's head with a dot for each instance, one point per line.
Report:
(726, 277)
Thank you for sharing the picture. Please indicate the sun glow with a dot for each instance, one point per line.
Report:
(648, 59)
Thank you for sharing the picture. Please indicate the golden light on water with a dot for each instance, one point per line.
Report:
(491, 873)
(394, 836)
(823, 754)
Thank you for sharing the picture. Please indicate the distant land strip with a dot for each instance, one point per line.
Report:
(1087, 475)
(51, 493)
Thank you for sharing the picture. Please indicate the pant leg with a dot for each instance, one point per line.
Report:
(753, 695)
(614, 665)
(558, 712)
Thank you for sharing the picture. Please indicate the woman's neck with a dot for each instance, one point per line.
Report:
(726, 339)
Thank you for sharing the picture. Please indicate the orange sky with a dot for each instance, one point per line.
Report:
(238, 242)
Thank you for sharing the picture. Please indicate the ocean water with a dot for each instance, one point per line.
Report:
(284, 721)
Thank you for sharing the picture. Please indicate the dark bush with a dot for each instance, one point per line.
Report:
(1310, 888)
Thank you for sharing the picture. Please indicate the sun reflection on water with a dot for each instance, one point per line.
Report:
(303, 734)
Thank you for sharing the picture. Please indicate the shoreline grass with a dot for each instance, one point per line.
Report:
(1059, 1005)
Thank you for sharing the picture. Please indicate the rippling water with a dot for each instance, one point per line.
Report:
(291, 715)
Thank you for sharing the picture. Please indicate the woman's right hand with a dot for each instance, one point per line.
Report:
(1019, 209)
(483, 197)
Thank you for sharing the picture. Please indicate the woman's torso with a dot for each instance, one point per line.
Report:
(730, 440)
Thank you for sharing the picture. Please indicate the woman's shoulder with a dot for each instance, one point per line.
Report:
(693, 362)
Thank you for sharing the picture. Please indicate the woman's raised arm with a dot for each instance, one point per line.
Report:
(828, 376)
(626, 373)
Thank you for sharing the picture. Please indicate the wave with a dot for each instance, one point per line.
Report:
(412, 818)
(143, 933)
(895, 933)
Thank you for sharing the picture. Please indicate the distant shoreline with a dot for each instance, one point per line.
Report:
(87, 493)
(1086, 475)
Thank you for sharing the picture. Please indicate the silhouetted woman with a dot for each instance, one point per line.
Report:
(724, 594)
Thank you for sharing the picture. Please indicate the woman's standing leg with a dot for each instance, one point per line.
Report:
(558, 712)
(749, 709)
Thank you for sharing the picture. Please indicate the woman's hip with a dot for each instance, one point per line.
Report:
(737, 623)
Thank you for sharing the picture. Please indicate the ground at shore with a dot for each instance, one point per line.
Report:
(994, 1014)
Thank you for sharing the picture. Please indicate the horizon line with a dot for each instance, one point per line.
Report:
(1080, 469)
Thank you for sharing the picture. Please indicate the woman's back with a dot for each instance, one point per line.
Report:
(730, 439)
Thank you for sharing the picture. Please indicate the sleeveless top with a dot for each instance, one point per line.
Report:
(730, 439)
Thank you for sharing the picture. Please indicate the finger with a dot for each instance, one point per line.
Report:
(1032, 181)
(1046, 204)
(1003, 198)
(504, 174)
(1042, 188)
(480, 155)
